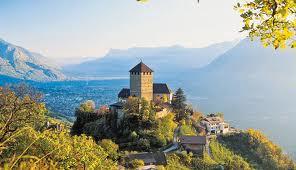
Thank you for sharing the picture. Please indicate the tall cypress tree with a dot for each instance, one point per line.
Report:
(179, 104)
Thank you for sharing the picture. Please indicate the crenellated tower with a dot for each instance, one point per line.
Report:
(141, 82)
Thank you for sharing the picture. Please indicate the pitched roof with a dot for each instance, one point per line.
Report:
(199, 140)
(212, 120)
(124, 93)
(141, 67)
(156, 158)
(161, 88)
(118, 105)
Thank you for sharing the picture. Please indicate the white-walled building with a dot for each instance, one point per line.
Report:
(215, 125)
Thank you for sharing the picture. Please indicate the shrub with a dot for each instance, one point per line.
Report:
(137, 163)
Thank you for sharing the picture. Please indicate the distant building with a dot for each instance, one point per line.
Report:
(151, 160)
(215, 125)
(194, 144)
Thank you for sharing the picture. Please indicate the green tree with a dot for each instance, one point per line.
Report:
(273, 21)
(110, 148)
(98, 129)
(18, 109)
(164, 132)
(175, 162)
(132, 105)
(179, 105)
(187, 130)
(179, 100)
(84, 114)
(137, 163)
(145, 109)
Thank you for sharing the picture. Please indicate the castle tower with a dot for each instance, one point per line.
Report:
(141, 82)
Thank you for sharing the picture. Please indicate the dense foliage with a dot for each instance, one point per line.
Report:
(260, 152)
(274, 21)
(31, 140)
(180, 107)
(138, 130)
(225, 157)
(19, 109)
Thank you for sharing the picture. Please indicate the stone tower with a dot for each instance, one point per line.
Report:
(141, 82)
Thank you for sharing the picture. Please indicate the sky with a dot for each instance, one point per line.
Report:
(67, 29)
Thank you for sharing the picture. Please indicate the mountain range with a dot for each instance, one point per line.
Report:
(164, 59)
(20, 63)
(250, 65)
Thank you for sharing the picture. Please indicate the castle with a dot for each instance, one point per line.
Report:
(142, 86)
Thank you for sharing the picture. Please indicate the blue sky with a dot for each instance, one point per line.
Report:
(78, 28)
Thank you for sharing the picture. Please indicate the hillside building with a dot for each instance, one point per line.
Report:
(142, 86)
(194, 144)
(215, 125)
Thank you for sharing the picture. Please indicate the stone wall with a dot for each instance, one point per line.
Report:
(135, 84)
(147, 86)
(141, 85)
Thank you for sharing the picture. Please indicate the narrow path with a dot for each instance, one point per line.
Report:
(208, 147)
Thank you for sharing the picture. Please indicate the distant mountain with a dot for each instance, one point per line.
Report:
(20, 63)
(247, 65)
(165, 60)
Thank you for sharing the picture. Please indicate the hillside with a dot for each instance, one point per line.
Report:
(165, 59)
(20, 63)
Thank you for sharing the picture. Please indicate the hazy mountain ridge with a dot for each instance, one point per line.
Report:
(248, 63)
(20, 63)
(164, 59)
